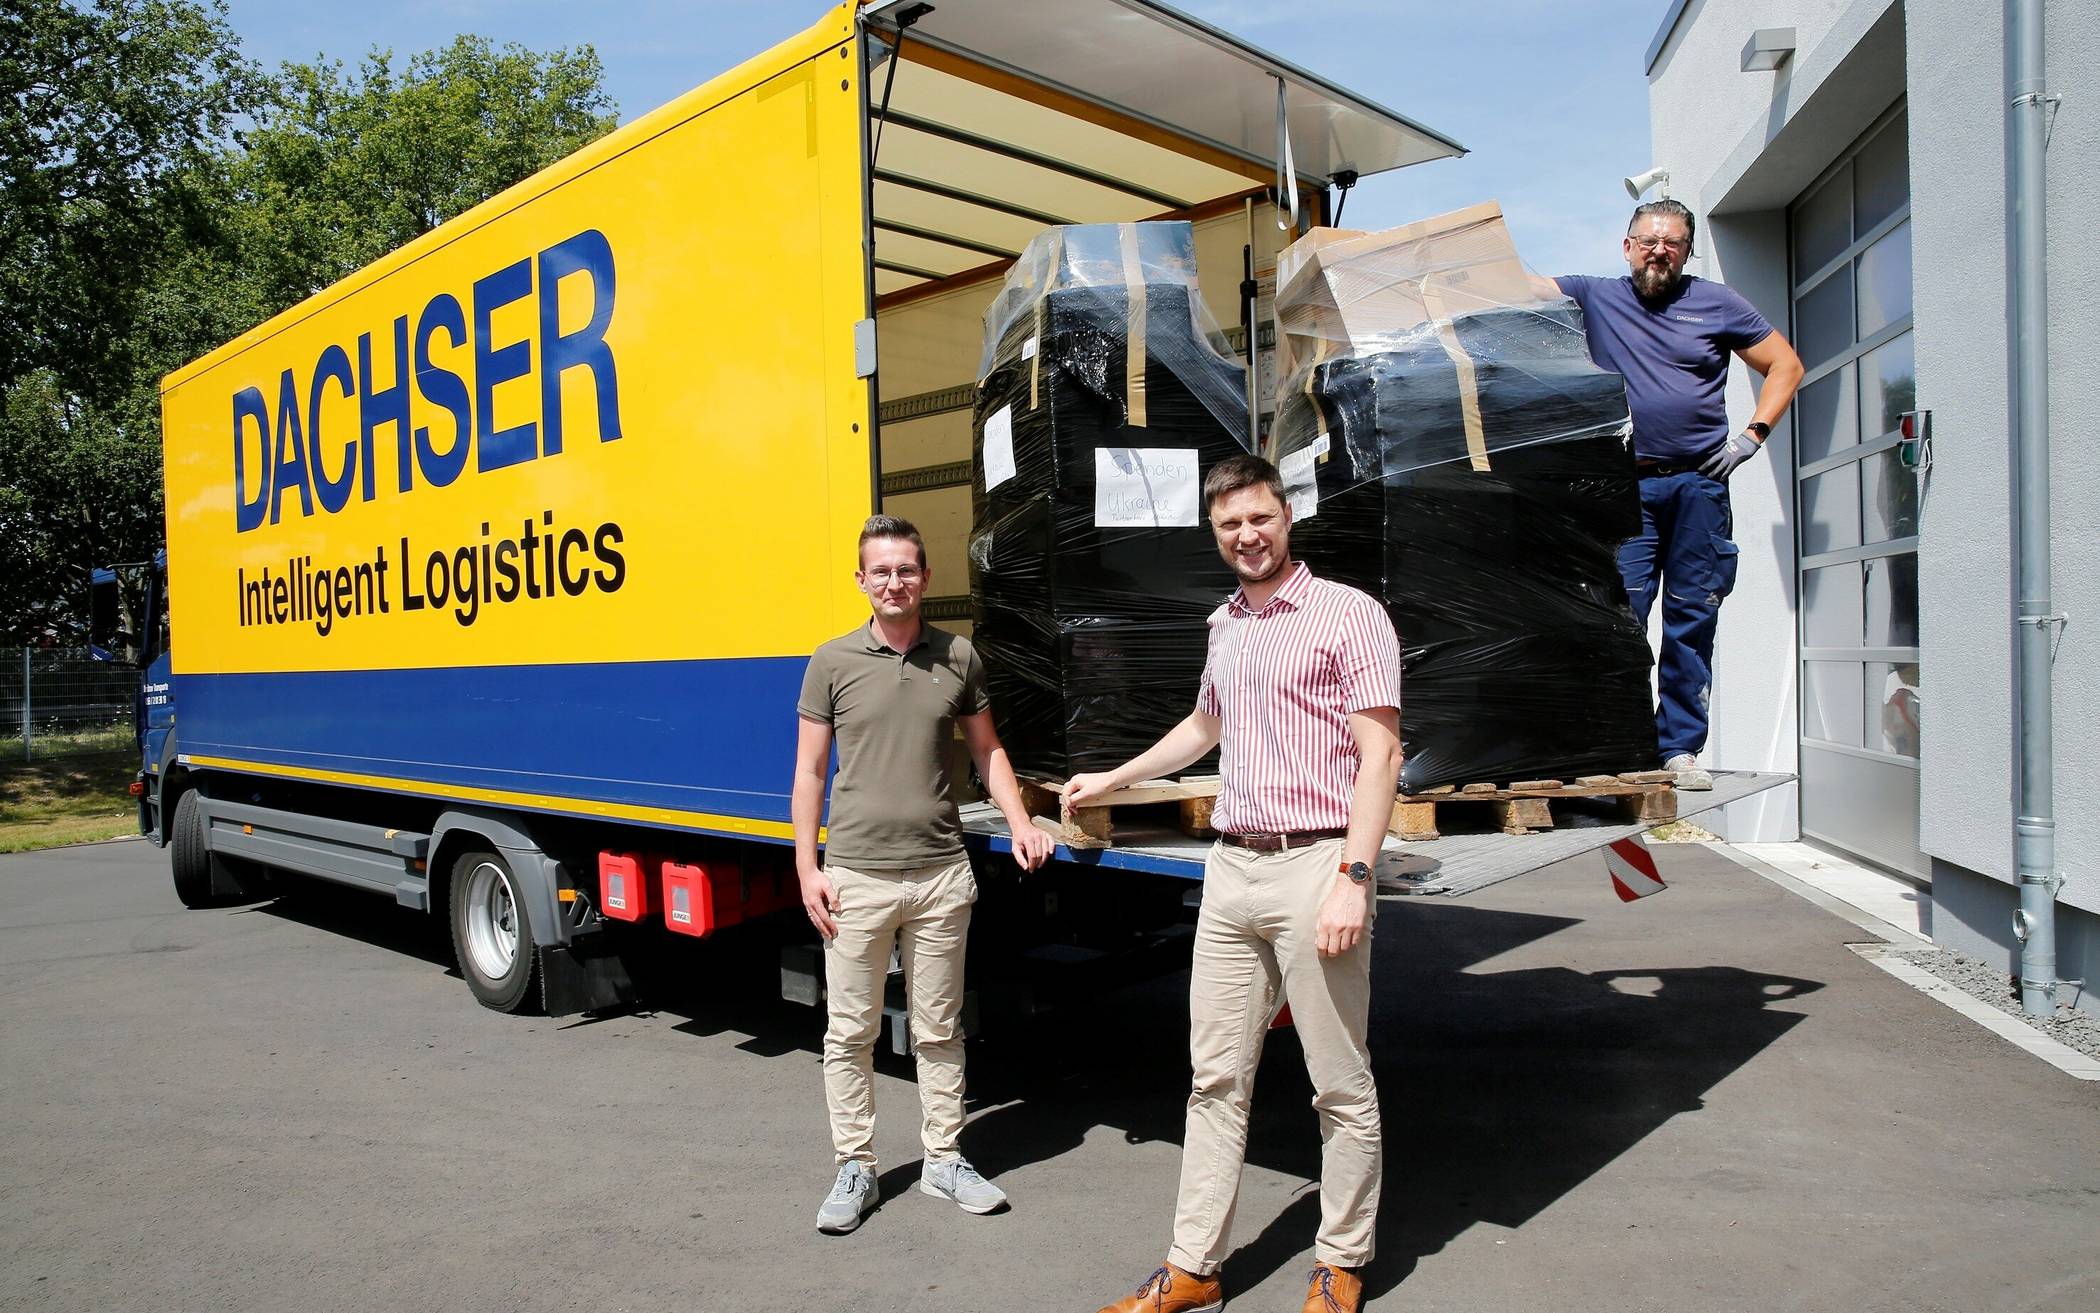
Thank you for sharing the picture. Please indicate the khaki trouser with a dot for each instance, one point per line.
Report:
(926, 913)
(1254, 949)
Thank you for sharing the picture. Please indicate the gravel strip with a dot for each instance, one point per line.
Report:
(1994, 985)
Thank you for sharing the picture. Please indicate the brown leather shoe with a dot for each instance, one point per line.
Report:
(1333, 1290)
(1171, 1290)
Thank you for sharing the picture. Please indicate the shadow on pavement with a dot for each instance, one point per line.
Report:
(1501, 1092)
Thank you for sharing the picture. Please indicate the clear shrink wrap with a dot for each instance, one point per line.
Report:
(1450, 448)
(1106, 392)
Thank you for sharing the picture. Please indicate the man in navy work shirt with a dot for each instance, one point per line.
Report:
(1670, 335)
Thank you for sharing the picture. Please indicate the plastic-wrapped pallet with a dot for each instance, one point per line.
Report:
(1450, 448)
(1106, 393)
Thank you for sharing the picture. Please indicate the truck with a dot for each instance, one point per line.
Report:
(491, 570)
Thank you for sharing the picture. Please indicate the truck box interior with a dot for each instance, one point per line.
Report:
(990, 121)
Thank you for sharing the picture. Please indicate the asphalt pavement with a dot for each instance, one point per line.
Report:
(1701, 1101)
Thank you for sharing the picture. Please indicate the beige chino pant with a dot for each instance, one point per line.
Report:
(1255, 948)
(926, 914)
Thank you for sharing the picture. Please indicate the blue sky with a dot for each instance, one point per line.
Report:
(1548, 95)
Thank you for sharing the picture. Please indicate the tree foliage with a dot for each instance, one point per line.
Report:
(159, 195)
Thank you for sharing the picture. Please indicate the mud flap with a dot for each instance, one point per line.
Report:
(583, 977)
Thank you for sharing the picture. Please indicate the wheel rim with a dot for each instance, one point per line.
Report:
(492, 920)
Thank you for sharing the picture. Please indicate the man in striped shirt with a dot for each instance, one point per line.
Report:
(1301, 692)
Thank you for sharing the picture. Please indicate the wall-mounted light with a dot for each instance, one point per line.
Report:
(1769, 47)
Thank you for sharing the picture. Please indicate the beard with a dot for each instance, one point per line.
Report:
(1277, 562)
(1651, 282)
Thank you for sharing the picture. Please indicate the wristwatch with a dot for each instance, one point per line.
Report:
(1760, 428)
(1357, 871)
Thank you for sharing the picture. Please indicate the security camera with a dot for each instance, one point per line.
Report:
(1656, 178)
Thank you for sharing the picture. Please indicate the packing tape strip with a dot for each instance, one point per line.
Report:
(1134, 355)
(1035, 362)
(1468, 386)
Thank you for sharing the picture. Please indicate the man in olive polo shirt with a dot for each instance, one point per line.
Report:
(891, 693)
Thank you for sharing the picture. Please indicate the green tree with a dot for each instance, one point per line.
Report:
(105, 112)
(151, 232)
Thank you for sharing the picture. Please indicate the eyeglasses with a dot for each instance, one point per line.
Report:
(1653, 244)
(904, 574)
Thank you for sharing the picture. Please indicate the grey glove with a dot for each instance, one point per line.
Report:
(1728, 455)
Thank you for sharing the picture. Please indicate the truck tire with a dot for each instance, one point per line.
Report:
(189, 853)
(490, 933)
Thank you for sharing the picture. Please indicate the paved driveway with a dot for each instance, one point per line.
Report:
(1701, 1101)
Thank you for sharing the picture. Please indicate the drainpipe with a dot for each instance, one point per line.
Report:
(2034, 827)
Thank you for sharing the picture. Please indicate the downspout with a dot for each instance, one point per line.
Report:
(2035, 618)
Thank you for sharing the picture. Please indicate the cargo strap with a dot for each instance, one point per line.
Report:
(1042, 317)
(1468, 385)
(1134, 355)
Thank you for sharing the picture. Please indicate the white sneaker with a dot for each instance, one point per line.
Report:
(956, 1179)
(1690, 774)
(852, 1195)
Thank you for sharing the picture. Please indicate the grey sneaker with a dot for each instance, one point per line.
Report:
(956, 1179)
(1690, 774)
(852, 1195)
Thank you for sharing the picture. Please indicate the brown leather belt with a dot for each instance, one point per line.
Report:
(1278, 843)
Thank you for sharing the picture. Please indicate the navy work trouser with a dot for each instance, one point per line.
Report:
(1684, 553)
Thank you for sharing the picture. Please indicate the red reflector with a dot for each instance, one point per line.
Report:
(138, 788)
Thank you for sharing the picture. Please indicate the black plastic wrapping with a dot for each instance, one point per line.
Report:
(1094, 637)
(1494, 550)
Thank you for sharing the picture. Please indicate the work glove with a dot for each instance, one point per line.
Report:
(1728, 455)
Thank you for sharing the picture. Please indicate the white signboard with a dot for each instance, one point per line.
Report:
(999, 448)
(1146, 487)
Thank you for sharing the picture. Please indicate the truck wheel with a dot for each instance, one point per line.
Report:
(189, 854)
(490, 933)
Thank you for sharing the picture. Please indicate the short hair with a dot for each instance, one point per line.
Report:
(890, 526)
(1230, 475)
(1669, 209)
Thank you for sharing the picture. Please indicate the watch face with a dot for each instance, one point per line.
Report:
(1359, 872)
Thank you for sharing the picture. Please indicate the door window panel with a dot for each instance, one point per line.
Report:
(1884, 281)
(1893, 707)
(1892, 601)
(1823, 319)
(1881, 174)
(1832, 706)
(1888, 386)
(1832, 607)
(1830, 511)
(1826, 416)
(1823, 225)
(1888, 497)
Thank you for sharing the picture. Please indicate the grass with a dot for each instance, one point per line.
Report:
(54, 801)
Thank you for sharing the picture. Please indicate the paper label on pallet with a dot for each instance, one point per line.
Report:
(1300, 487)
(999, 448)
(1146, 487)
(1028, 349)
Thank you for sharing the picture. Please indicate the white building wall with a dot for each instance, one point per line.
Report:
(1740, 146)
(1703, 107)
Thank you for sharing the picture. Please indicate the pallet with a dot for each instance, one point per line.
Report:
(1524, 806)
(1184, 804)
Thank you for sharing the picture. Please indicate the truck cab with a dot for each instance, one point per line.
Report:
(128, 625)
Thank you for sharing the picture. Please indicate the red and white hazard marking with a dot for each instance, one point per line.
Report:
(1632, 870)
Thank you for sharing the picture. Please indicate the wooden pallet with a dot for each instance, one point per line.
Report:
(1523, 806)
(1184, 804)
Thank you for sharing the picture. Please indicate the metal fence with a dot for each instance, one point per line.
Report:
(60, 701)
